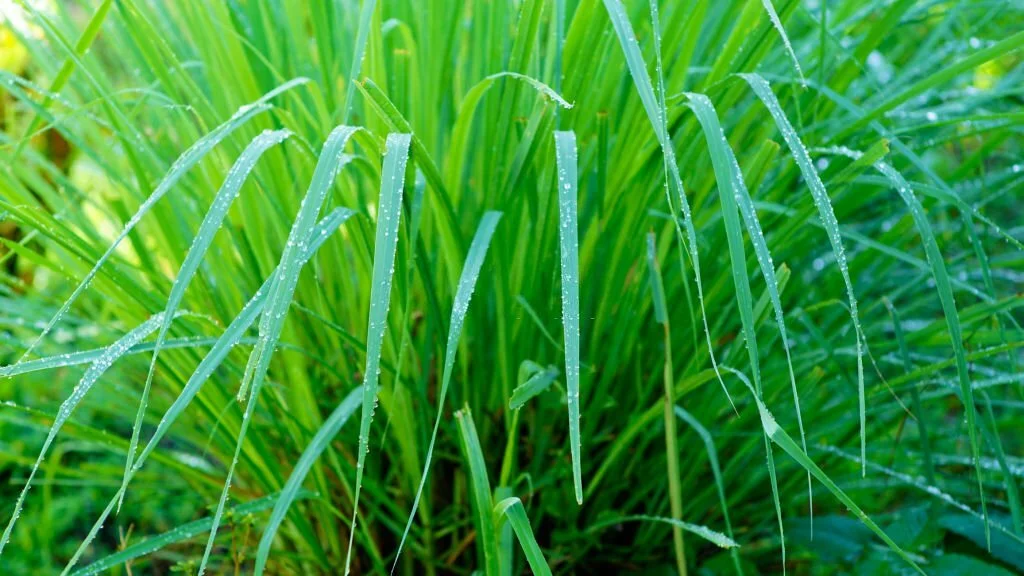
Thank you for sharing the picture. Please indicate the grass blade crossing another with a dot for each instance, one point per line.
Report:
(828, 219)
(201, 243)
(91, 376)
(729, 193)
(331, 160)
(230, 338)
(657, 115)
(183, 164)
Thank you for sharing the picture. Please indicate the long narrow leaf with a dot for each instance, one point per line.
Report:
(389, 215)
(201, 243)
(565, 155)
(657, 115)
(231, 337)
(463, 296)
(828, 219)
(183, 164)
(91, 376)
(331, 160)
(292, 487)
(480, 492)
(512, 509)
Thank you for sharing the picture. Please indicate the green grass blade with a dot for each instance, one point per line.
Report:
(362, 35)
(183, 164)
(728, 178)
(942, 285)
(535, 381)
(87, 356)
(178, 534)
(716, 471)
(716, 538)
(657, 115)
(389, 215)
(280, 297)
(774, 17)
(231, 337)
(463, 296)
(480, 492)
(512, 508)
(828, 219)
(565, 155)
(459, 146)
(293, 486)
(91, 376)
(203, 239)
(784, 441)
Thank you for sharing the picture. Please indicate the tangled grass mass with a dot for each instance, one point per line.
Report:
(502, 287)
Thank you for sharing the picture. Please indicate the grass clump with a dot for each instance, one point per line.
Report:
(721, 255)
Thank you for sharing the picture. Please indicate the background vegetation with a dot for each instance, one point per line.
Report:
(720, 322)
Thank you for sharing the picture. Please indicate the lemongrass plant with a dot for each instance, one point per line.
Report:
(566, 286)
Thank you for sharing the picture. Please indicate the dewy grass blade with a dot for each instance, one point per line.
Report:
(87, 356)
(943, 286)
(657, 114)
(183, 164)
(389, 215)
(566, 160)
(764, 257)
(729, 195)
(91, 376)
(716, 538)
(178, 534)
(828, 219)
(512, 508)
(201, 243)
(293, 486)
(779, 436)
(716, 471)
(464, 120)
(332, 160)
(480, 490)
(231, 337)
(774, 16)
(463, 295)
(539, 380)
(282, 288)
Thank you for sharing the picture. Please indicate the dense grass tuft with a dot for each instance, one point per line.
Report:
(549, 287)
